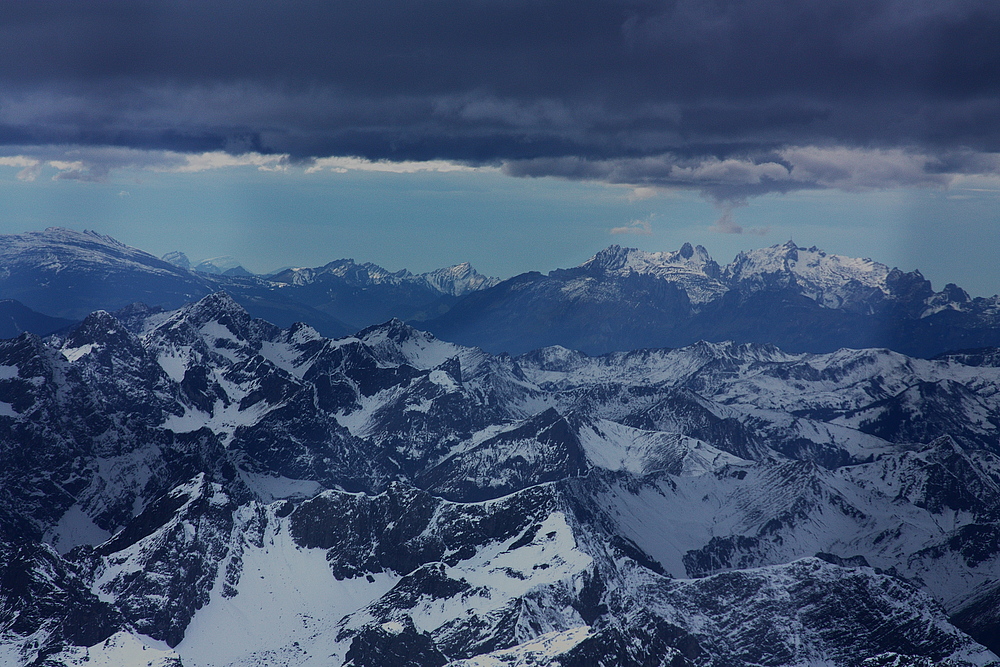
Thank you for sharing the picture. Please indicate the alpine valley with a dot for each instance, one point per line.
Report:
(183, 483)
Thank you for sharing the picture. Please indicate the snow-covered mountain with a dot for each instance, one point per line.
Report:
(203, 488)
(690, 267)
(459, 279)
(832, 281)
(802, 299)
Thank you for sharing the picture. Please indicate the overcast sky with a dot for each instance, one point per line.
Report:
(518, 134)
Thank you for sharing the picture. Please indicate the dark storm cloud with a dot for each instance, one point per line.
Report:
(630, 91)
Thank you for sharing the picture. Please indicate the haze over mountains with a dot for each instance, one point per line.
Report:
(67, 274)
(801, 299)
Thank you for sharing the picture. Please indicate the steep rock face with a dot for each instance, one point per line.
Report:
(459, 279)
(162, 565)
(690, 266)
(926, 411)
(980, 618)
(843, 614)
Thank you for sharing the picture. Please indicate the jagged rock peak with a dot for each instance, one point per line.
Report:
(99, 327)
(100, 331)
(615, 258)
(135, 315)
(691, 267)
(346, 269)
(216, 304)
(743, 351)
(458, 279)
(394, 329)
(220, 308)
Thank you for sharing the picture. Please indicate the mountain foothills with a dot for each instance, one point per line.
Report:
(198, 487)
(801, 299)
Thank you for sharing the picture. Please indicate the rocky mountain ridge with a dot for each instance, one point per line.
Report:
(68, 274)
(802, 299)
(200, 487)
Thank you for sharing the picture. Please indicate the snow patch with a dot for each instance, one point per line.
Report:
(74, 353)
(444, 381)
(121, 648)
(285, 610)
(174, 362)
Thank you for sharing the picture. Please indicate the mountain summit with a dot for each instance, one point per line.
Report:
(691, 267)
(802, 299)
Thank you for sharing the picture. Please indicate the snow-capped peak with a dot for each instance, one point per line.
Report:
(616, 259)
(690, 266)
(395, 342)
(216, 317)
(831, 280)
(458, 279)
(213, 307)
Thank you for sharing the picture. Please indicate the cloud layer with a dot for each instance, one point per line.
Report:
(733, 97)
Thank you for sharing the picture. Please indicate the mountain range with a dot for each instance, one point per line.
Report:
(199, 487)
(67, 274)
(800, 299)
